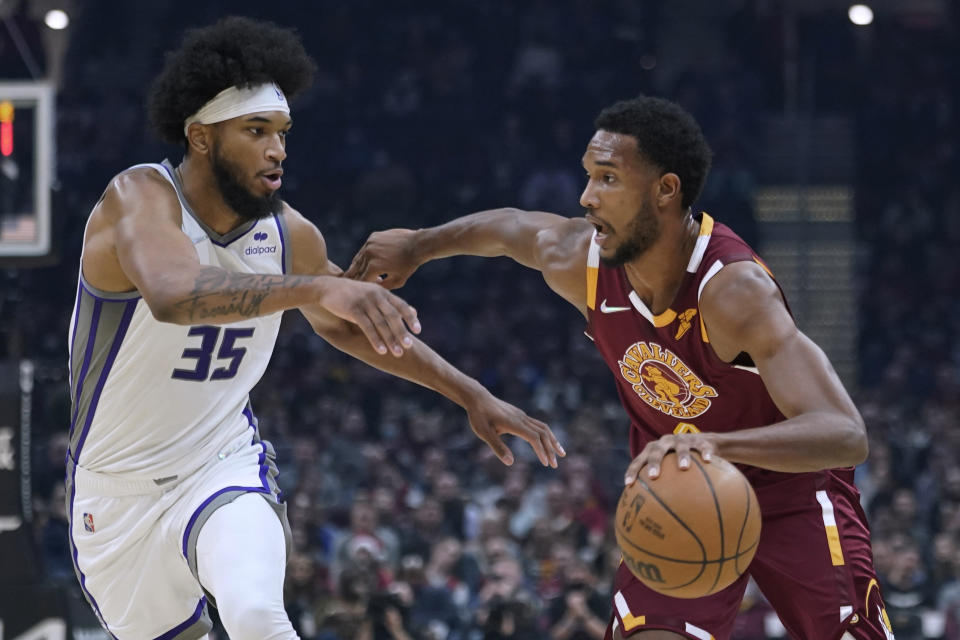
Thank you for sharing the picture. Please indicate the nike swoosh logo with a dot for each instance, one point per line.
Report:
(604, 308)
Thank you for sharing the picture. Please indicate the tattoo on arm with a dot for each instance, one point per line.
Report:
(219, 292)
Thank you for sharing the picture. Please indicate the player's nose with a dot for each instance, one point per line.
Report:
(589, 199)
(276, 151)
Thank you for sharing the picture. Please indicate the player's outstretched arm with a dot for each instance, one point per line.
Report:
(552, 244)
(134, 242)
(490, 418)
(743, 311)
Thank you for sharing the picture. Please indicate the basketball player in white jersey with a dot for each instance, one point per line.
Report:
(184, 276)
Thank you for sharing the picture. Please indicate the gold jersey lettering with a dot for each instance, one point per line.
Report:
(663, 381)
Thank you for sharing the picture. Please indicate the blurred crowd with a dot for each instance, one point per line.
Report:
(405, 525)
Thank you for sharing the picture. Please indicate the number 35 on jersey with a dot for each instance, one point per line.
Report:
(222, 341)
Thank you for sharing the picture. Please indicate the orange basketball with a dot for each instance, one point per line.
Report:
(689, 533)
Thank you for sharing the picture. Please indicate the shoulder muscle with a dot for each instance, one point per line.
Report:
(134, 203)
(744, 311)
(308, 246)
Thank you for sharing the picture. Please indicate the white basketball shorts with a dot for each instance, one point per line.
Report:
(134, 541)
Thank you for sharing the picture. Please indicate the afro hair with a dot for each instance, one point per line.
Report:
(667, 136)
(235, 51)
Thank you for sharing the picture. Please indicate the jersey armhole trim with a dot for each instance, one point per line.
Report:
(593, 272)
(712, 271)
(703, 239)
(286, 259)
(763, 266)
(108, 296)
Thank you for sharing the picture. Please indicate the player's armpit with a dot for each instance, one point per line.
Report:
(561, 255)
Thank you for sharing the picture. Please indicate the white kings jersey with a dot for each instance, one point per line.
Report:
(154, 400)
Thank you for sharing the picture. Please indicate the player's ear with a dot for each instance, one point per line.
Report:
(199, 137)
(668, 189)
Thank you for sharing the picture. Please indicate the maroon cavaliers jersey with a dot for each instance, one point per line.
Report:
(668, 377)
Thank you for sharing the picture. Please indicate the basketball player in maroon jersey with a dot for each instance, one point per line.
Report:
(707, 358)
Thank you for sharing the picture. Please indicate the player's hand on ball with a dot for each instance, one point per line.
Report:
(652, 455)
(491, 418)
(387, 257)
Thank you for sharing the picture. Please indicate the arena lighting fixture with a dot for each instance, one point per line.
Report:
(860, 14)
(56, 19)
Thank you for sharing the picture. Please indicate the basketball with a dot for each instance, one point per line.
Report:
(689, 533)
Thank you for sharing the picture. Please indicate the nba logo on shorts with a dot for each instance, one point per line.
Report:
(88, 522)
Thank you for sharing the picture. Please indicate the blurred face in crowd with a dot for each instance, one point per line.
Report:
(558, 498)
(506, 577)
(363, 518)
(578, 572)
(384, 502)
(619, 197)
(515, 484)
(905, 505)
(944, 548)
(434, 463)
(496, 548)
(300, 568)
(246, 155)
(429, 515)
(446, 553)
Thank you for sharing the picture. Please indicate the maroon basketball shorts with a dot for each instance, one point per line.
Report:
(814, 564)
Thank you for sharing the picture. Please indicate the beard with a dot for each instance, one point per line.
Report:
(641, 232)
(244, 203)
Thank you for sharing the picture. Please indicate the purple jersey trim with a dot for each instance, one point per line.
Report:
(109, 296)
(114, 349)
(180, 628)
(87, 355)
(248, 412)
(283, 244)
(231, 240)
(73, 334)
(263, 467)
(198, 510)
(75, 553)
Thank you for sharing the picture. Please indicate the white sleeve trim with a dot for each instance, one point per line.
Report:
(712, 271)
(698, 250)
(593, 254)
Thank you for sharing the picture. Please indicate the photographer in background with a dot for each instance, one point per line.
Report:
(386, 618)
(580, 611)
(506, 605)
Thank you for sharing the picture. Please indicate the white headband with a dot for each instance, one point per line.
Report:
(234, 101)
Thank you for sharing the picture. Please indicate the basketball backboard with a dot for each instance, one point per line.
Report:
(26, 167)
